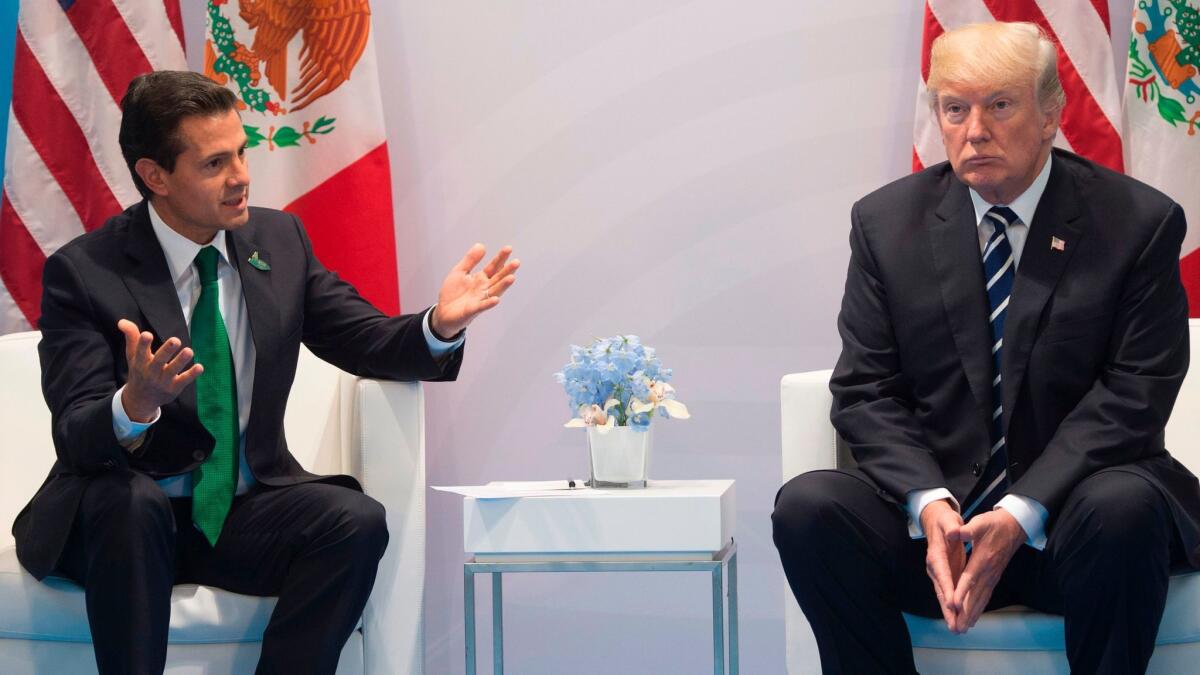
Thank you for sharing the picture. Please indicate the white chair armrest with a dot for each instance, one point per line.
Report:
(809, 441)
(388, 438)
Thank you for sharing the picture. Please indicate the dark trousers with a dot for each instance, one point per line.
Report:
(853, 568)
(313, 545)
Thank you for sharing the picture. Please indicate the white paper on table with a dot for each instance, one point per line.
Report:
(520, 489)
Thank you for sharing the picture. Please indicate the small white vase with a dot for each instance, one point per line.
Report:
(620, 457)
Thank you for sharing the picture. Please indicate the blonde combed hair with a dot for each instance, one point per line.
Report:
(1003, 54)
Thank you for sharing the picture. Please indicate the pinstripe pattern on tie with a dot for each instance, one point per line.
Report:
(999, 270)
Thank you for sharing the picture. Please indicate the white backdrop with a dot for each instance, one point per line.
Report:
(678, 169)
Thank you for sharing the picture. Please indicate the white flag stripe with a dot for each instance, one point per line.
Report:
(954, 13)
(1079, 28)
(154, 33)
(992, 282)
(70, 70)
(985, 493)
(11, 317)
(927, 136)
(36, 197)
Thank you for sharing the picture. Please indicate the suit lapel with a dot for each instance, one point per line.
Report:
(149, 282)
(261, 307)
(955, 242)
(1041, 268)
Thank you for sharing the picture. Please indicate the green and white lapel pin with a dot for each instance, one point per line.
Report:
(257, 262)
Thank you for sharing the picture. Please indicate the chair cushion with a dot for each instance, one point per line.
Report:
(1022, 629)
(199, 614)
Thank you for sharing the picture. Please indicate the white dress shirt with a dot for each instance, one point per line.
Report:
(1028, 512)
(180, 253)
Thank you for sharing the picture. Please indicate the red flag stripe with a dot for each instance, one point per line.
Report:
(59, 141)
(1083, 122)
(176, 19)
(1189, 270)
(103, 32)
(932, 30)
(1102, 9)
(21, 263)
(368, 258)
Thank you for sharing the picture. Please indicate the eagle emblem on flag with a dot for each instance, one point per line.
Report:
(1164, 60)
(333, 36)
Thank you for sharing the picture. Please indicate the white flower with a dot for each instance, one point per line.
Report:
(595, 416)
(661, 395)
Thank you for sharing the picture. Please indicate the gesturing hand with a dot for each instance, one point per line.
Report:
(155, 379)
(995, 536)
(945, 555)
(466, 294)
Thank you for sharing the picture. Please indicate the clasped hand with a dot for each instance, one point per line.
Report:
(963, 586)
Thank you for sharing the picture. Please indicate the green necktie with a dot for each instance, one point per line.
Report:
(214, 481)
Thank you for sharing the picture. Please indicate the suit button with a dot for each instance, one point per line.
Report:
(198, 455)
(110, 464)
(976, 469)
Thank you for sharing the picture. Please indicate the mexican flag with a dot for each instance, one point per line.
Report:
(306, 79)
(1162, 115)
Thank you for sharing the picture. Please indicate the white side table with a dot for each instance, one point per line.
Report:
(669, 526)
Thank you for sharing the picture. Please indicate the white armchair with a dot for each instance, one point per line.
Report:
(335, 423)
(1012, 640)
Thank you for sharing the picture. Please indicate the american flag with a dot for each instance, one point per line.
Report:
(1081, 30)
(63, 170)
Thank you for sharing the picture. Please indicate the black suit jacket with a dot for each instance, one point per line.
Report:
(1095, 342)
(119, 271)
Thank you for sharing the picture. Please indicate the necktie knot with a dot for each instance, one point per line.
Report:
(206, 264)
(1002, 217)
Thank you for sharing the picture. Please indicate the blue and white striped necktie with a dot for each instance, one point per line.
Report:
(999, 270)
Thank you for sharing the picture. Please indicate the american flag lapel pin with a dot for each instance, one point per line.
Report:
(1057, 244)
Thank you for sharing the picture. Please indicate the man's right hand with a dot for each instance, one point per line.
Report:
(945, 555)
(155, 378)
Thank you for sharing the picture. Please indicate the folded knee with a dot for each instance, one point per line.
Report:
(803, 505)
(1118, 508)
(126, 497)
(366, 520)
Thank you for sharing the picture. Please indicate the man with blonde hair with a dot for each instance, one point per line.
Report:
(1014, 334)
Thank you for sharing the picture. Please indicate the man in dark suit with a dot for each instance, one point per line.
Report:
(169, 345)
(1014, 336)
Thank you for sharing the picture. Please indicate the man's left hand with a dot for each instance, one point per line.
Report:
(995, 536)
(466, 294)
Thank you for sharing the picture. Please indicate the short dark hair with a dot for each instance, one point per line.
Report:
(152, 109)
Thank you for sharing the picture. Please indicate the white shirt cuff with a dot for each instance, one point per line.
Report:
(128, 432)
(918, 500)
(437, 348)
(1030, 514)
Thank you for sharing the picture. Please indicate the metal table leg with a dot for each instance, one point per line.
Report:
(469, 617)
(718, 603)
(733, 615)
(497, 625)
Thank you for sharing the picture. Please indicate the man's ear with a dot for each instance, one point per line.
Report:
(1051, 124)
(153, 175)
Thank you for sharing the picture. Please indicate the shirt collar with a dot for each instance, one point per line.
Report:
(1025, 205)
(178, 249)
